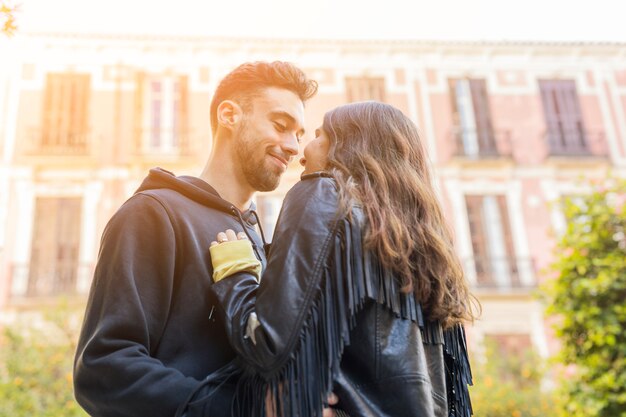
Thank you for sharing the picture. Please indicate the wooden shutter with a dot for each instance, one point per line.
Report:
(508, 241)
(42, 256)
(85, 108)
(572, 116)
(453, 102)
(78, 111)
(55, 246)
(49, 123)
(481, 259)
(377, 89)
(482, 115)
(67, 245)
(365, 88)
(140, 80)
(564, 122)
(456, 130)
(65, 122)
(182, 133)
(551, 113)
(350, 86)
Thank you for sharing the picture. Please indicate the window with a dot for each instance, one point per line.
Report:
(269, 207)
(365, 88)
(162, 110)
(564, 123)
(65, 113)
(472, 130)
(55, 245)
(494, 258)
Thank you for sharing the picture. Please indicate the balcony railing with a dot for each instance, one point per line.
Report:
(575, 142)
(41, 280)
(43, 143)
(159, 142)
(480, 144)
(501, 273)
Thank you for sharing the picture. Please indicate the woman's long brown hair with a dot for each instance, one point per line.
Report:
(379, 162)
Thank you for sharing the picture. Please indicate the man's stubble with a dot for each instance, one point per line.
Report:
(253, 160)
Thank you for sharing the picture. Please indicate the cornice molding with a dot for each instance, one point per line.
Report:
(321, 42)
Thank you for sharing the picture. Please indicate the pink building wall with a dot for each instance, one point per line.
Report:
(415, 76)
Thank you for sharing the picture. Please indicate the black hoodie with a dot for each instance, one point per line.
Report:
(150, 334)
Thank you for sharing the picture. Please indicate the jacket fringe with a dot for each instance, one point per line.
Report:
(458, 372)
(299, 386)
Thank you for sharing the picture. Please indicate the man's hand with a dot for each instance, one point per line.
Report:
(332, 400)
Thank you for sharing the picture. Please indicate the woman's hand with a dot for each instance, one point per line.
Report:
(227, 236)
(233, 253)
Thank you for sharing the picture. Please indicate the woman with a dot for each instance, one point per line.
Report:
(363, 294)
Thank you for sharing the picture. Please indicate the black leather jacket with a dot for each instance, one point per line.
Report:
(328, 317)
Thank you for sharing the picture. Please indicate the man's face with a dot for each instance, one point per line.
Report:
(267, 137)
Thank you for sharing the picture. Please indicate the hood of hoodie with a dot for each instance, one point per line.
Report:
(194, 189)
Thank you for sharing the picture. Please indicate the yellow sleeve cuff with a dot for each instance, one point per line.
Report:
(232, 257)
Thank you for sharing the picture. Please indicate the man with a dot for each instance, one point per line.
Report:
(150, 336)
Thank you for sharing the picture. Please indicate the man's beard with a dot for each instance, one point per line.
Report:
(255, 171)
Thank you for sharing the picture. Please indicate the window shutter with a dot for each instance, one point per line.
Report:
(79, 110)
(562, 103)
(456, 130)
(49, 105)
(482, 114)
(55, 246)
(551, 113)
(479, 242)
(365, 88)
(65, 123)
(63, 111)
(182, 133)
(572, 116)
(140, 81)
(379, 85)
(42, 253)
(564, 120)
(67, 244)
(508, 241)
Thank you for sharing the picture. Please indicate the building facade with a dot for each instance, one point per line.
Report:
(509, 127)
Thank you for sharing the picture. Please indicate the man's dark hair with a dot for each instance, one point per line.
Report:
(246, 81)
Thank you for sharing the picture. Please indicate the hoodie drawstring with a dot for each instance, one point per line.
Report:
(266, 246)
(245, 230)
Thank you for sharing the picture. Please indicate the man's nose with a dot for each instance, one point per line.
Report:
(290, 145)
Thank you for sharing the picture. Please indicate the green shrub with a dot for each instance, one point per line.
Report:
(510, 385)
(588, 295)
(36, 367)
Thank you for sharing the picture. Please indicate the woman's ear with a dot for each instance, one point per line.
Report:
(229, 114)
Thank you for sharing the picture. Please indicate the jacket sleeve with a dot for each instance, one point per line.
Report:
(115, 373)
(289, 330)
(301, 242)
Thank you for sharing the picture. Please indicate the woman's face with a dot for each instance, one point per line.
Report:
(316, 153)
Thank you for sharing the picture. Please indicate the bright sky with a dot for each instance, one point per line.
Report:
(555, 20)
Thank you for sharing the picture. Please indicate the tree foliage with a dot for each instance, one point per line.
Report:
(588, 295)
(36, 366)
(509, 384)
(7, 18)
